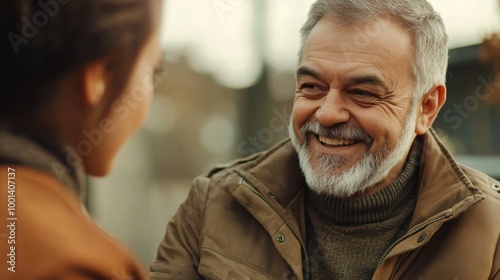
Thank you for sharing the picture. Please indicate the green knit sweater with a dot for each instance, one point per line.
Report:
(346, 238)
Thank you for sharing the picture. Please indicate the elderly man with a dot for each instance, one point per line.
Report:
(364, 189)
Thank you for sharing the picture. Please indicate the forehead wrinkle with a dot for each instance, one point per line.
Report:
(366, 78)
(369, 73)
(334, 54)
(352, 45)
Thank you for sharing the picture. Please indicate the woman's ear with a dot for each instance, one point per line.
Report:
(430, 104)
(93, 78)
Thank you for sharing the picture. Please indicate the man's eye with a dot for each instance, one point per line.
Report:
(362, 93)
(308, 88)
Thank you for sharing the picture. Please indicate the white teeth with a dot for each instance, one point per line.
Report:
(335, 141)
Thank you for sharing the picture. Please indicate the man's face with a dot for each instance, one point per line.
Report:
(353, 121)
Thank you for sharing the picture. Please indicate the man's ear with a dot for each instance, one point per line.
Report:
(430, 104)
(93, 81)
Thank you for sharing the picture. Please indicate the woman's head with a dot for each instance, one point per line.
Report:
(75, 67)
(45, 40)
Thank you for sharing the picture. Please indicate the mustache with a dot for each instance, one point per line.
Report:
(339, 131)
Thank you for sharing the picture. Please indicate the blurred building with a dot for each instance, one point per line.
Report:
(469, 121)
(192, 125)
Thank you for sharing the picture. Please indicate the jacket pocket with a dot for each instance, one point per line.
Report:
(217, 266)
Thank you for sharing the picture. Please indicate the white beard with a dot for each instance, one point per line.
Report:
(372, 169)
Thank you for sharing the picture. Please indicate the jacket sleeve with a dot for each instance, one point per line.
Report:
(179, 252)
(496, 263)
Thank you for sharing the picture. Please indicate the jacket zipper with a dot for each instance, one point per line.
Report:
(410, 233)
(292, 229)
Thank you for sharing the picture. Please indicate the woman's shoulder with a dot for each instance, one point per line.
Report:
(53, 234)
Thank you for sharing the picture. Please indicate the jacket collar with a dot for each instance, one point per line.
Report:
(443, 185)
(30, 147)
(276, 174)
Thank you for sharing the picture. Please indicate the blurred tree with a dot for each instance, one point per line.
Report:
(489, 53)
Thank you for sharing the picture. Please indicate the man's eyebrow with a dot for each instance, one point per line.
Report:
(367, 79)
(306, 71)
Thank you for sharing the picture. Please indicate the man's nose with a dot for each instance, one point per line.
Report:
(333, 109)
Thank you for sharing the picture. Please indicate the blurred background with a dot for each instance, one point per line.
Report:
(228, 91)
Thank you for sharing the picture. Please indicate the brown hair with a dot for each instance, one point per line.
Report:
(44, 40)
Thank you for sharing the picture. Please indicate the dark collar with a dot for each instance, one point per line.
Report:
(30, 147)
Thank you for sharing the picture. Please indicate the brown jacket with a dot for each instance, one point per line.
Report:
(246, 221)
(46, 233)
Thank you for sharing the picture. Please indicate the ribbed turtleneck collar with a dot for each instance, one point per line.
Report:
(31, 148)
(373, 208)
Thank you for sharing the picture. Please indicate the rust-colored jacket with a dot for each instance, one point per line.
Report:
(52, 237)
(246, 221)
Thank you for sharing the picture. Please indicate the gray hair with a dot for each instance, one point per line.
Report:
(430, 56)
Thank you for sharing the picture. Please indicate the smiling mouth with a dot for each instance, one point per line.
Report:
(333, 142)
